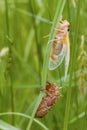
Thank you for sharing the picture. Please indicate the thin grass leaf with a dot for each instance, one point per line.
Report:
(81, 115)
(30, 38)
(23, 86)
(5, 126)
(10, 56)
(72, 68)
(32, 15)
(24, 115)
(29, 69)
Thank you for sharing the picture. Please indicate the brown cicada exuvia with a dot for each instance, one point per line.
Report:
(52, 95)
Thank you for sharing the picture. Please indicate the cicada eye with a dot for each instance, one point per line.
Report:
(68, 29)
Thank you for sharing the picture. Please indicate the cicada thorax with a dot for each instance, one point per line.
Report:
(52, 95)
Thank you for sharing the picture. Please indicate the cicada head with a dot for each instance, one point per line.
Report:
(64, 25)
(52, 88)
(63, 30)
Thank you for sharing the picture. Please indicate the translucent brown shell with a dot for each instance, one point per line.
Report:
(52, 95)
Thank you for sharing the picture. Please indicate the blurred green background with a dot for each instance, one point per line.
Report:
(23, 27)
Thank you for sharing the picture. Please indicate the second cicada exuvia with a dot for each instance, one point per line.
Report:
(52, 95)
(60, 47)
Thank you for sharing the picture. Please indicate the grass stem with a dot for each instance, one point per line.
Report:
(56, 20)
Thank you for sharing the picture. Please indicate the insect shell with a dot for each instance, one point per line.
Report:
(52, 95)
(60, 47)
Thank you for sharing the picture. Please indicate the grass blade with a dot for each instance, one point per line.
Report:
(6, 126)
(56, 20)
(24, 115)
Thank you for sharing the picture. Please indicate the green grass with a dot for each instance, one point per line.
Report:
(24, 70)
(57, 16)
